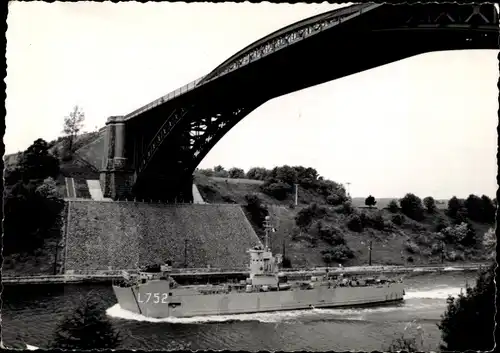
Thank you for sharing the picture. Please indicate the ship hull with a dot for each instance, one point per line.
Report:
(154, 300)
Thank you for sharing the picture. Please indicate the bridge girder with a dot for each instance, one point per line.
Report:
(181, 131)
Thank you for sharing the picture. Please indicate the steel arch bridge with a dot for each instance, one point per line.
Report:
(152, 152)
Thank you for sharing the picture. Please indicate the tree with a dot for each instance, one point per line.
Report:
(490, 243)
(393, 206)
(220, 172)
(258, 173)
(86, 329)
(37, 163)
(454, 207)
(278, 190)
(462, 233)
(31, 209)
(31, 202)
(469, 320)
(236, 173)
(73, 124)
(355, 223)
(474, 206)
(285, 174)
(306, 175)
(430, 204)
(328, 233)
(257, 210)
(370, 201)
(48, 189)
(489, 209)
(411, 206)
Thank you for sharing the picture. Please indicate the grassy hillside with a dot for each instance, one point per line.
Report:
(226, 190)
(409, 243)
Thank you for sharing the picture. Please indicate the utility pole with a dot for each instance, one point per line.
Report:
(296, 194)
(442, 252)
(348, 187)
(185, 252)
(55, 258)
(370, 253)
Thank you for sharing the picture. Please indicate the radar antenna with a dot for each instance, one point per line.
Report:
(267, 228)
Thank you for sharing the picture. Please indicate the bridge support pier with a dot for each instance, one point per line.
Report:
(116, 176)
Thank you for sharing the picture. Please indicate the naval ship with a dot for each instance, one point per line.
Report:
(152, 292)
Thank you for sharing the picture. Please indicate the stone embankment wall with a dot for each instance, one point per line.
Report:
(121, 235)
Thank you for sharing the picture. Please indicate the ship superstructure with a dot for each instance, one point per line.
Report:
(153, 292)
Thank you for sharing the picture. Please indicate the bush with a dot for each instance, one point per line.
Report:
(411, 206)
(436, 248)
(278, 190)
(489, 243)
(412, 248)
(286, 263)
(87, 328)
(354, 223)
(425, 239)
(388, 225)
(347, 208)
(236, 173)
(305, 216)
(339, 253)
(441, 224)
(414, 226)
(372, 221)
(430, 204)
(228, 199)
(329, 234)
(453, 256)
(398, 219)
(393, 206)
(296, 233)
(463, 234)
(334, 200)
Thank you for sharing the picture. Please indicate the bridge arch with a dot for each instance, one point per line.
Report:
(167, 139)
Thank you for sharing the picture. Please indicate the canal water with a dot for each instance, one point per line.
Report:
(30, 314)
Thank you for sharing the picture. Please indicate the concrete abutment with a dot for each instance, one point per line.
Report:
(116, 176)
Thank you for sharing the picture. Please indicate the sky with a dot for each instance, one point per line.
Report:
(425, 125)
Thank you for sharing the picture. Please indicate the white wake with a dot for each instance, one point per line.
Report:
(434, 293)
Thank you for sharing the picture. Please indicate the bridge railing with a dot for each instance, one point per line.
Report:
(284, 40)
(179, 91)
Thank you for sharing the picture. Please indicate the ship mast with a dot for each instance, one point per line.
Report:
(267, 225)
